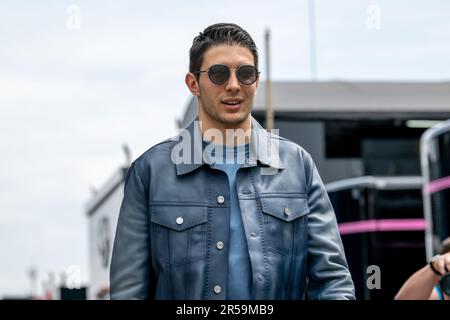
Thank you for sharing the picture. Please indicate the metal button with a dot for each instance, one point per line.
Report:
(217, 289)
(220, 199)
(219, 245)
(260, 277)
(287, 211)
(179, 220)
(253, 235)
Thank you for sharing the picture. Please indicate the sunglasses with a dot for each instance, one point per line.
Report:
(220, 73)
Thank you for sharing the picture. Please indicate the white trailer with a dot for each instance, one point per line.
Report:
(103, 212)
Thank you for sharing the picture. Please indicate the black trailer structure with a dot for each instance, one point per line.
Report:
(435, 160)
(382, 228)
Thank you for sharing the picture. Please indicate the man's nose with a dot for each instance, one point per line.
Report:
(233, 83)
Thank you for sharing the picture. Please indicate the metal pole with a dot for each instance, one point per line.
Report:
(312, 40)
(126, 150)
(32, 273)
(268, 86)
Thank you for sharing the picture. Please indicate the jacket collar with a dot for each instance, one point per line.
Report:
(264, 147)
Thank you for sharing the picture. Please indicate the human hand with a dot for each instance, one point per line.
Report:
(442, 263)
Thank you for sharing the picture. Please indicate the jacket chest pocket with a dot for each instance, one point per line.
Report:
(178, 233)
(285, 219)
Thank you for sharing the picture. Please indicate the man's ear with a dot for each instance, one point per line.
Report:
(192, 84)
(257, 84)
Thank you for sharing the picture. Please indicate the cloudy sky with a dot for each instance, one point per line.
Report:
(80, 78)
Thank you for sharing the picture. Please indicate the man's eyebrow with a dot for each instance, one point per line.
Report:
(236, 64)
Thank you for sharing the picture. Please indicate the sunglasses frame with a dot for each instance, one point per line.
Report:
(229, 73)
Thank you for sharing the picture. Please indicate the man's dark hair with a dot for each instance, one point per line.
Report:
(218, 34)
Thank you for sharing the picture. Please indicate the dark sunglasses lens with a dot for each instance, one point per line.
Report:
(247, 74)
(218, 74)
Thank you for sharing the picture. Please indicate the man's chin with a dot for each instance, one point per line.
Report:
(234, 119)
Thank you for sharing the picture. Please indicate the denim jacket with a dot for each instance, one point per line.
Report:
(172, 234)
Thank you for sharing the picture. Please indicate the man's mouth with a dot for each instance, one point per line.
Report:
(233, 103)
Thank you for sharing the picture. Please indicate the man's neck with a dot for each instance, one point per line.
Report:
(226, 134)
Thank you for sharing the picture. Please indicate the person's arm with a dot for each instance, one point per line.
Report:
(129, 273)
(421, 284)
(328, 274)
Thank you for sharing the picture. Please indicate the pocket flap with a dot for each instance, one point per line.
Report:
(179, 218)
(285, 208)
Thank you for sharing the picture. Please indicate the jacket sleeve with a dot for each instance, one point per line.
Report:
(328, 274)
(129, 273)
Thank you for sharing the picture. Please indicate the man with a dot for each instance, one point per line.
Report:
(226, 210)
(432, 282)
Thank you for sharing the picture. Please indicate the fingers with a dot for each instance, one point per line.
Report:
(442, 264)
(446, 262)
(439, 265)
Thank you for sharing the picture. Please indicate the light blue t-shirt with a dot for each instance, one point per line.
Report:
(239, 266)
